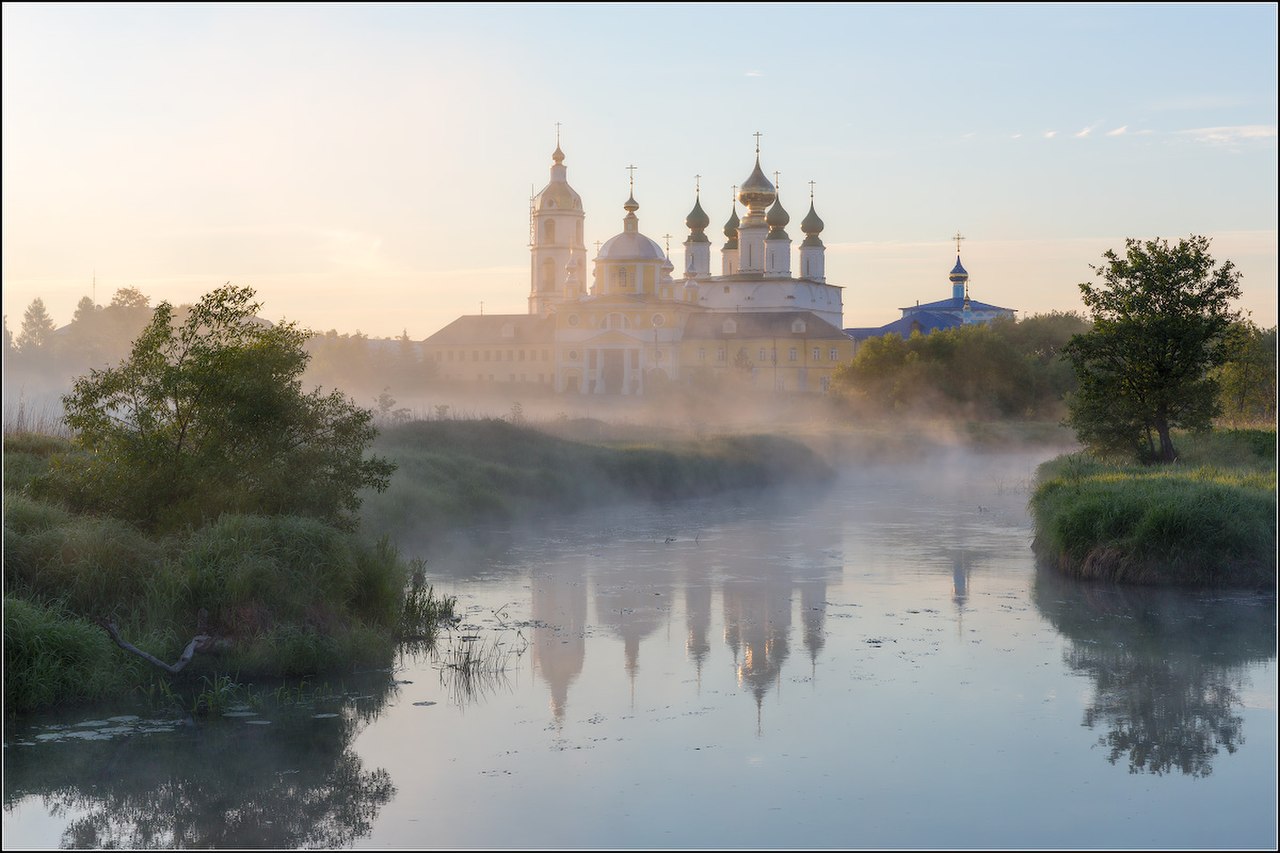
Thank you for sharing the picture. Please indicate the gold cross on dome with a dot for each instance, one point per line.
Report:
(757, 135)
(958, 238)
(632, 170)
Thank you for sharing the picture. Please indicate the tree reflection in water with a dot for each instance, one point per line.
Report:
(223, 783)
(1167, 665)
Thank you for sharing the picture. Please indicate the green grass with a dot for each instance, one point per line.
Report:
(52, 657)
(1208, 520)
(456, 472)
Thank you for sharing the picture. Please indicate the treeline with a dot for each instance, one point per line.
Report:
(47, 356)
(1016, 369)
(1007, 369)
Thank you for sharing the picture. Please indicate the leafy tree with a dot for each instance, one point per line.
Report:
(85, 311)
(208, 416)
(130, 298)
(1160, 317)
(37, 328)
(1248, 379)
(8, 335)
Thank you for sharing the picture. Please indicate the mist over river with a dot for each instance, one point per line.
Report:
(878, 663)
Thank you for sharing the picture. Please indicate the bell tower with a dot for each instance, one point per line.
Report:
(555, 235)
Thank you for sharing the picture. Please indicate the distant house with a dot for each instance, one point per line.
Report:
(959, 310)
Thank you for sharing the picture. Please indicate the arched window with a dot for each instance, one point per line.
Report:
(548, 277)
(549, 231)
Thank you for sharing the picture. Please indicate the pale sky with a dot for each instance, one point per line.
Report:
(369, 168)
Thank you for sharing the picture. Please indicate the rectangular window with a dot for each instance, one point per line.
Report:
(720, 354)
(791, 356)
(762, 355)
(702, 355)
(835, 354)
(475, 356)
(522, 355)
(817, 354)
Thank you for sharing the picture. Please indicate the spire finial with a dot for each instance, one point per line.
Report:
(697, 185)
(597, 247)
(958, 238)
(667, 239)
(757, 135)
(811, 183)
(777, 184)
(632, 170)
(733, 200)
(557, 134)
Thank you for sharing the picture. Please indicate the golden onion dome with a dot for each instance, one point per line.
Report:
(756, 192)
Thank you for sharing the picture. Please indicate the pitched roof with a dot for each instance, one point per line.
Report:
(954, 304)
(494, 329)
(763, 324)
(924, 321)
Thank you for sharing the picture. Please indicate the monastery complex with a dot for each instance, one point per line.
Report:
(622, 323)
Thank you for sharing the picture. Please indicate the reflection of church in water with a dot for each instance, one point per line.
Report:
(757, 600)
(626, 325)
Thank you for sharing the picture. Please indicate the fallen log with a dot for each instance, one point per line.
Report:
(200, 642)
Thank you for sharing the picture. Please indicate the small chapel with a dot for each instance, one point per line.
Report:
(958, 310)
(621, 323)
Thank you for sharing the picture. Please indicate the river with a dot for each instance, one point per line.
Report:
(876, 664)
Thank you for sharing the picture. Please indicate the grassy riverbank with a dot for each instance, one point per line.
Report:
(285, 596)
(281, 596)
(1208, 520)
(454, 472)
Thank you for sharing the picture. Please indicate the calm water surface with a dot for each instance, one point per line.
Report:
(878, 664)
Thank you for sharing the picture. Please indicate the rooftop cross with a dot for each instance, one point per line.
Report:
(667, 238)
(557, 134)
(811, 190)
(757, 135)
(632, 170)
(697, 184)
(958, 238)
(776, 183)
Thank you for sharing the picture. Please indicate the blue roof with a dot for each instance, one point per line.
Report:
(954, 304)
(924, 321)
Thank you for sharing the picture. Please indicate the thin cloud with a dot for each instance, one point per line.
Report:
(1119, 131)
(754, 74)
(1230, 134)
(1050, 134)
(1016, 136)
(1088, 130)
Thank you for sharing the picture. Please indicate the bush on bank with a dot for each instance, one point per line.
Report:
(1209, 520)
